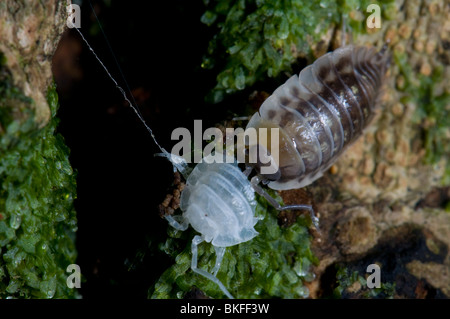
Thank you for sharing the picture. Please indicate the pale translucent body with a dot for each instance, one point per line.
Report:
(321, 112)
(219, 202)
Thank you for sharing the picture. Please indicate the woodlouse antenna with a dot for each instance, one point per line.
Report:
(121, 90)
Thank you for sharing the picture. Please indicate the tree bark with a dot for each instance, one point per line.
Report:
(29, 33)
(381, 202)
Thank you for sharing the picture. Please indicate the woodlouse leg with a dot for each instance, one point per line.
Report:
(175, 224)
(195, 242)
(314, 218)
(255, 184)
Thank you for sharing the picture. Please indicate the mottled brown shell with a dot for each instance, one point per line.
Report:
(322, 111)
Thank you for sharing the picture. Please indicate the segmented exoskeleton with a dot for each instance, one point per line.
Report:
(321, 111)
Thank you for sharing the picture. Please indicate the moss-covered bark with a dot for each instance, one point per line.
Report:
(37, 183)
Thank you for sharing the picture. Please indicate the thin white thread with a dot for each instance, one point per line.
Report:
(135, 109)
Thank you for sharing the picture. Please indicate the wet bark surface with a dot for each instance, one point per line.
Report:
(380, 204)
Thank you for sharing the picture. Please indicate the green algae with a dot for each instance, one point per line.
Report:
(256, 39)
(346, 279)
(260, 38)
(37, 190)
(432, 111)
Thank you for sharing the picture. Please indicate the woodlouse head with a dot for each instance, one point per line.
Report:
(259, 155)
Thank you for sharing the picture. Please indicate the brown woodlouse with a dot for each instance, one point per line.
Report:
(321, 112)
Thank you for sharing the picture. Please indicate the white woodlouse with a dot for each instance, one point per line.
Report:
(319, 113)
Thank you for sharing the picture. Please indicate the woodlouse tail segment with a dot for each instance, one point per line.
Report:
(177, 222)
(386, 55)
(383, 58)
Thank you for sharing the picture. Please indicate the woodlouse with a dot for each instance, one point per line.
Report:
(318, 114)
